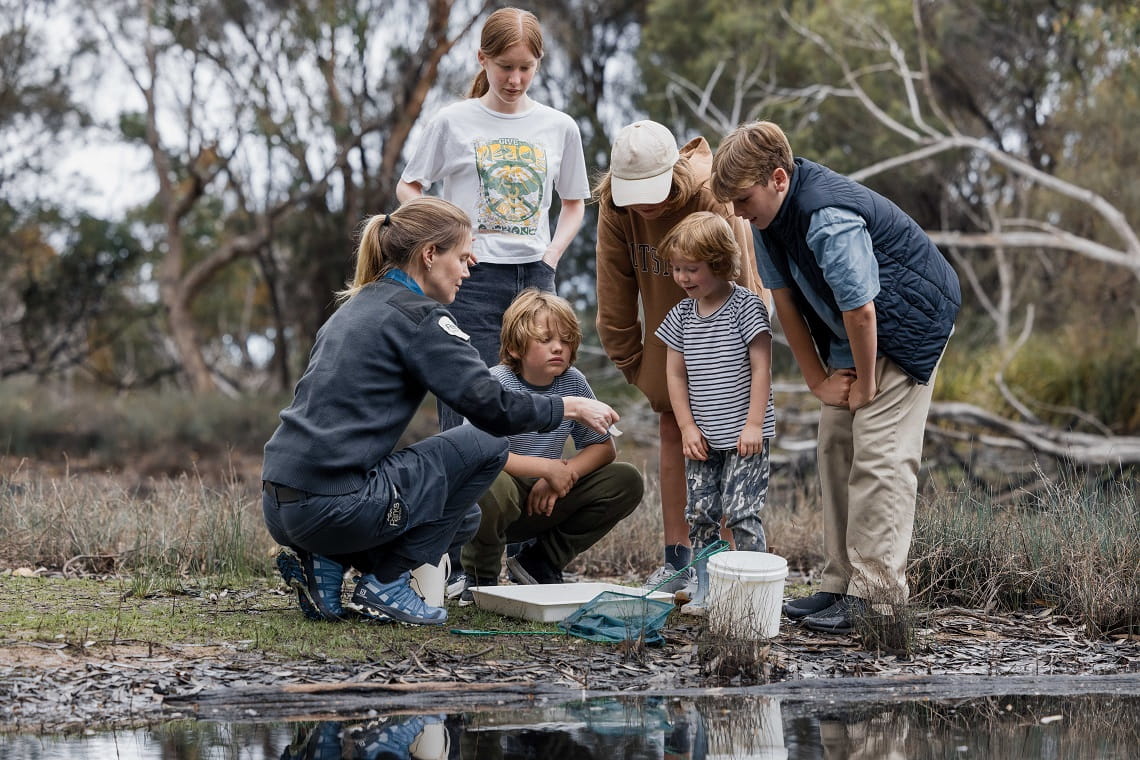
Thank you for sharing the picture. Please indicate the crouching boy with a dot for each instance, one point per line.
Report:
(565, 505)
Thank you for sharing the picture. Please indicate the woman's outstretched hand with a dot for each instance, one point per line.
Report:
(590, 412)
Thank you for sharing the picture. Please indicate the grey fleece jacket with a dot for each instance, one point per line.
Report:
(372, 365)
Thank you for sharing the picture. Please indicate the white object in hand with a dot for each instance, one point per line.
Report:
(612, 430)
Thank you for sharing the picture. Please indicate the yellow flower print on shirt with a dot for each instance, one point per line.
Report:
(512, 180)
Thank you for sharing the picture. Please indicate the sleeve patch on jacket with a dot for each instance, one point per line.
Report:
(451, 328)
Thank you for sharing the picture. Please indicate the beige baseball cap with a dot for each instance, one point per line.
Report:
(641, 164)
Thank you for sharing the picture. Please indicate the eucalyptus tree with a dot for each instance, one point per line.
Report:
(973, 116)
(262, 121)
(61, 270)
(63, 303)
(37, 106)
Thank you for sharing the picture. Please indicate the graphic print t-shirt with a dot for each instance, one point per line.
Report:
(503, 170)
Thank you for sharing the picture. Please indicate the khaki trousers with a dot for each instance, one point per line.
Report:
(868, 469)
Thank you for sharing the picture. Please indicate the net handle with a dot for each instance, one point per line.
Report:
(715, 547)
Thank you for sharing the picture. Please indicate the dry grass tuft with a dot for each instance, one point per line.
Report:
(734, 661)
(95, 523)
(1072, 545)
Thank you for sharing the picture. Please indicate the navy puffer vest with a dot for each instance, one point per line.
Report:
(919, 293)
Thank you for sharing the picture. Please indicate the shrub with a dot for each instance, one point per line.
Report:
(1073, 545)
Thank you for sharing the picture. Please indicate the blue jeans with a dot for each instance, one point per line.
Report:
(479, 306)
(417, 503)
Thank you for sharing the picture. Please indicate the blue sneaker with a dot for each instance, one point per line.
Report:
(397, 600)
(317, 581)
(391, 737)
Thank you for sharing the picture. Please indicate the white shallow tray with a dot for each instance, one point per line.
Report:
(548, 603)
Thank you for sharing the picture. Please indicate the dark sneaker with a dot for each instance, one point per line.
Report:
(817, 602)
(396, 600)
(839, 617)
(317, 581)
(531, 567)
(465, 596)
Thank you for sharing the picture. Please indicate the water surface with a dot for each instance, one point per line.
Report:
(705, 728)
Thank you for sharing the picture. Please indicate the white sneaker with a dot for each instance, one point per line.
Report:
(455, 585)
(682, 586)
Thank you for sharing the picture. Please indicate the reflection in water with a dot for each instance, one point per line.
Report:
(752, 729)
(707, 728)
(874, 739)
(399, 737)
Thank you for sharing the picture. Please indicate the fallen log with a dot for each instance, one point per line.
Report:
(1086, 449)
(343, 700)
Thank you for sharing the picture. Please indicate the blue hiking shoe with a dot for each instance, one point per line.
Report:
(396, 600)
(317, 581)
(392, 737)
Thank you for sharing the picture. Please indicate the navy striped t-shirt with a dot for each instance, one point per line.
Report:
(551, 444)
(715, 348)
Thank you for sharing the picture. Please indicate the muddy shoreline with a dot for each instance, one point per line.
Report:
(62, 688)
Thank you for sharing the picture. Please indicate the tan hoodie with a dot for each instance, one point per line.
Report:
(634, 284)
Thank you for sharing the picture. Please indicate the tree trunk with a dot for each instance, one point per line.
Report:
(185, 337)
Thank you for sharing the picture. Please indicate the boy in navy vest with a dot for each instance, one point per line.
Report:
(867, 303)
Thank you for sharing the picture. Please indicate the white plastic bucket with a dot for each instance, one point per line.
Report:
(755, 732)
(433, 743)
(746, 591)
(430, 581)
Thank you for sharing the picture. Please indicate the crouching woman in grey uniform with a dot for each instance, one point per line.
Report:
(335, 490)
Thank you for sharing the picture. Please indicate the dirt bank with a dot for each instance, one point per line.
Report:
(69, 686)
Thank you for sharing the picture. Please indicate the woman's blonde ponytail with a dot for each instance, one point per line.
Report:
(390, 241)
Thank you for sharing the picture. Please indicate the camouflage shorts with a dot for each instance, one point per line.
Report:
(730, 486)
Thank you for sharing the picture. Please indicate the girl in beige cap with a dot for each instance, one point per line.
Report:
(650, 187)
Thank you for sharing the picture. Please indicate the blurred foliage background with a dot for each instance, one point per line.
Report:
(183, 181)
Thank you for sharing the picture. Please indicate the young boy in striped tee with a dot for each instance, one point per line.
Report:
(565, 504)
(719, 374)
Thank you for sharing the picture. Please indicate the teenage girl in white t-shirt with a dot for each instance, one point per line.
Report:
(501, 157)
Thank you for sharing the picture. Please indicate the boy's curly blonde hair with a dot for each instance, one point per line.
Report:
(703, 236)
(523, 323)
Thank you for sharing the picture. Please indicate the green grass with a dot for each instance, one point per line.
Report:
(257, 616)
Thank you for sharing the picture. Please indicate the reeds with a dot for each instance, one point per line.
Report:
(1069, 541)
(1073, 545)
(95, 523)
